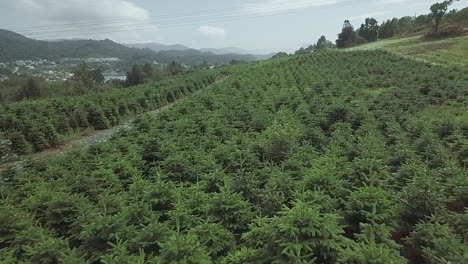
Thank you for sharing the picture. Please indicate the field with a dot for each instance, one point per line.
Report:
(331, 157)
(452, 52)
(37, 125)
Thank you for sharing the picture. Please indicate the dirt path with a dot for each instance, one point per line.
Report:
(97, 137)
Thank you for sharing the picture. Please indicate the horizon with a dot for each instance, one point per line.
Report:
(253, 25)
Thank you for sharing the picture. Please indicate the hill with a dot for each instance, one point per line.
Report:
(157, 47)
(329, 157)
(451, 51)
(196, 57)
(14, 46)
(227, 50)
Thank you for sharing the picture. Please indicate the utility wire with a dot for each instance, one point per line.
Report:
(183, 22)
(225, 17)
(285, 3)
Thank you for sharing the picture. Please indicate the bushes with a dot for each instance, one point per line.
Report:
(448, 31)
(435, 242)
(298, 235)
(98, 110)
(325, 170)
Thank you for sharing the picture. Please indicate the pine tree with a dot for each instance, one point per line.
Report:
(19, 144)
(97, 119)
(50, 134)
(437, 243)
(38, 140)
(183, 249)
(6, 153)
(298, 235)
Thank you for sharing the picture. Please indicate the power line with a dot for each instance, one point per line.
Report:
(231, 17)
(284, 3)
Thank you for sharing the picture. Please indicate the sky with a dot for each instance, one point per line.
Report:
(256, 25)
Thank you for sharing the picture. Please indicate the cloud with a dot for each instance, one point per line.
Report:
(211, 31)
(282, 6)
(82, 18)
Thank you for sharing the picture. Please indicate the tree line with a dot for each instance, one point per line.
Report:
(85, 78)
(35, 125)
(371, 31)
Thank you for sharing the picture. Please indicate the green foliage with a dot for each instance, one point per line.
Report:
(6, 153)
(322, 44)
(184, 249)
(37, 125)
(231, 210)
(86, 76)
(137, 76)
(364, 253)
(298, 235)
(373, 206)
(30, 90)
(437, 243)
(438, 11)
(175, 68)
(369, 30)
(347, 37)
(327, 157)
(280, 55)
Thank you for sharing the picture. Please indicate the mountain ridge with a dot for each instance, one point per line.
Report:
(157, 47)
(14, 46)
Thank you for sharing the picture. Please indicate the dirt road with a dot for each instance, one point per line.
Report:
(95, 137)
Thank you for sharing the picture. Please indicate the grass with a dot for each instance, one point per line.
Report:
(375, 92)
(457, 113)
(450, 52)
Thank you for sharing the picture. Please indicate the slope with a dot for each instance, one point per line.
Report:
(452, 51)
(14, 46)
(318, 158)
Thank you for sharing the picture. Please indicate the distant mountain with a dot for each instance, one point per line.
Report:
(161, 47)
(157, 47)
(197, 57)
(58, 40)
(227, 50)
(14, 46)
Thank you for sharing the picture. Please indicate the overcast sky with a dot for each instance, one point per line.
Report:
(267, 25)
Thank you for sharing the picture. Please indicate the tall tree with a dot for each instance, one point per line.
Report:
(31, 89)
(347, 36)
(323, 43)
(175, 68)
(388, 29)
(97, 76)
(136, 76)
(148, 70)
(369, 30)
(84, 74)
(280, 55)
(438, 11)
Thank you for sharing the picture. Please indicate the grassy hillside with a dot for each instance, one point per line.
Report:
(452, 51)
(330, 157)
